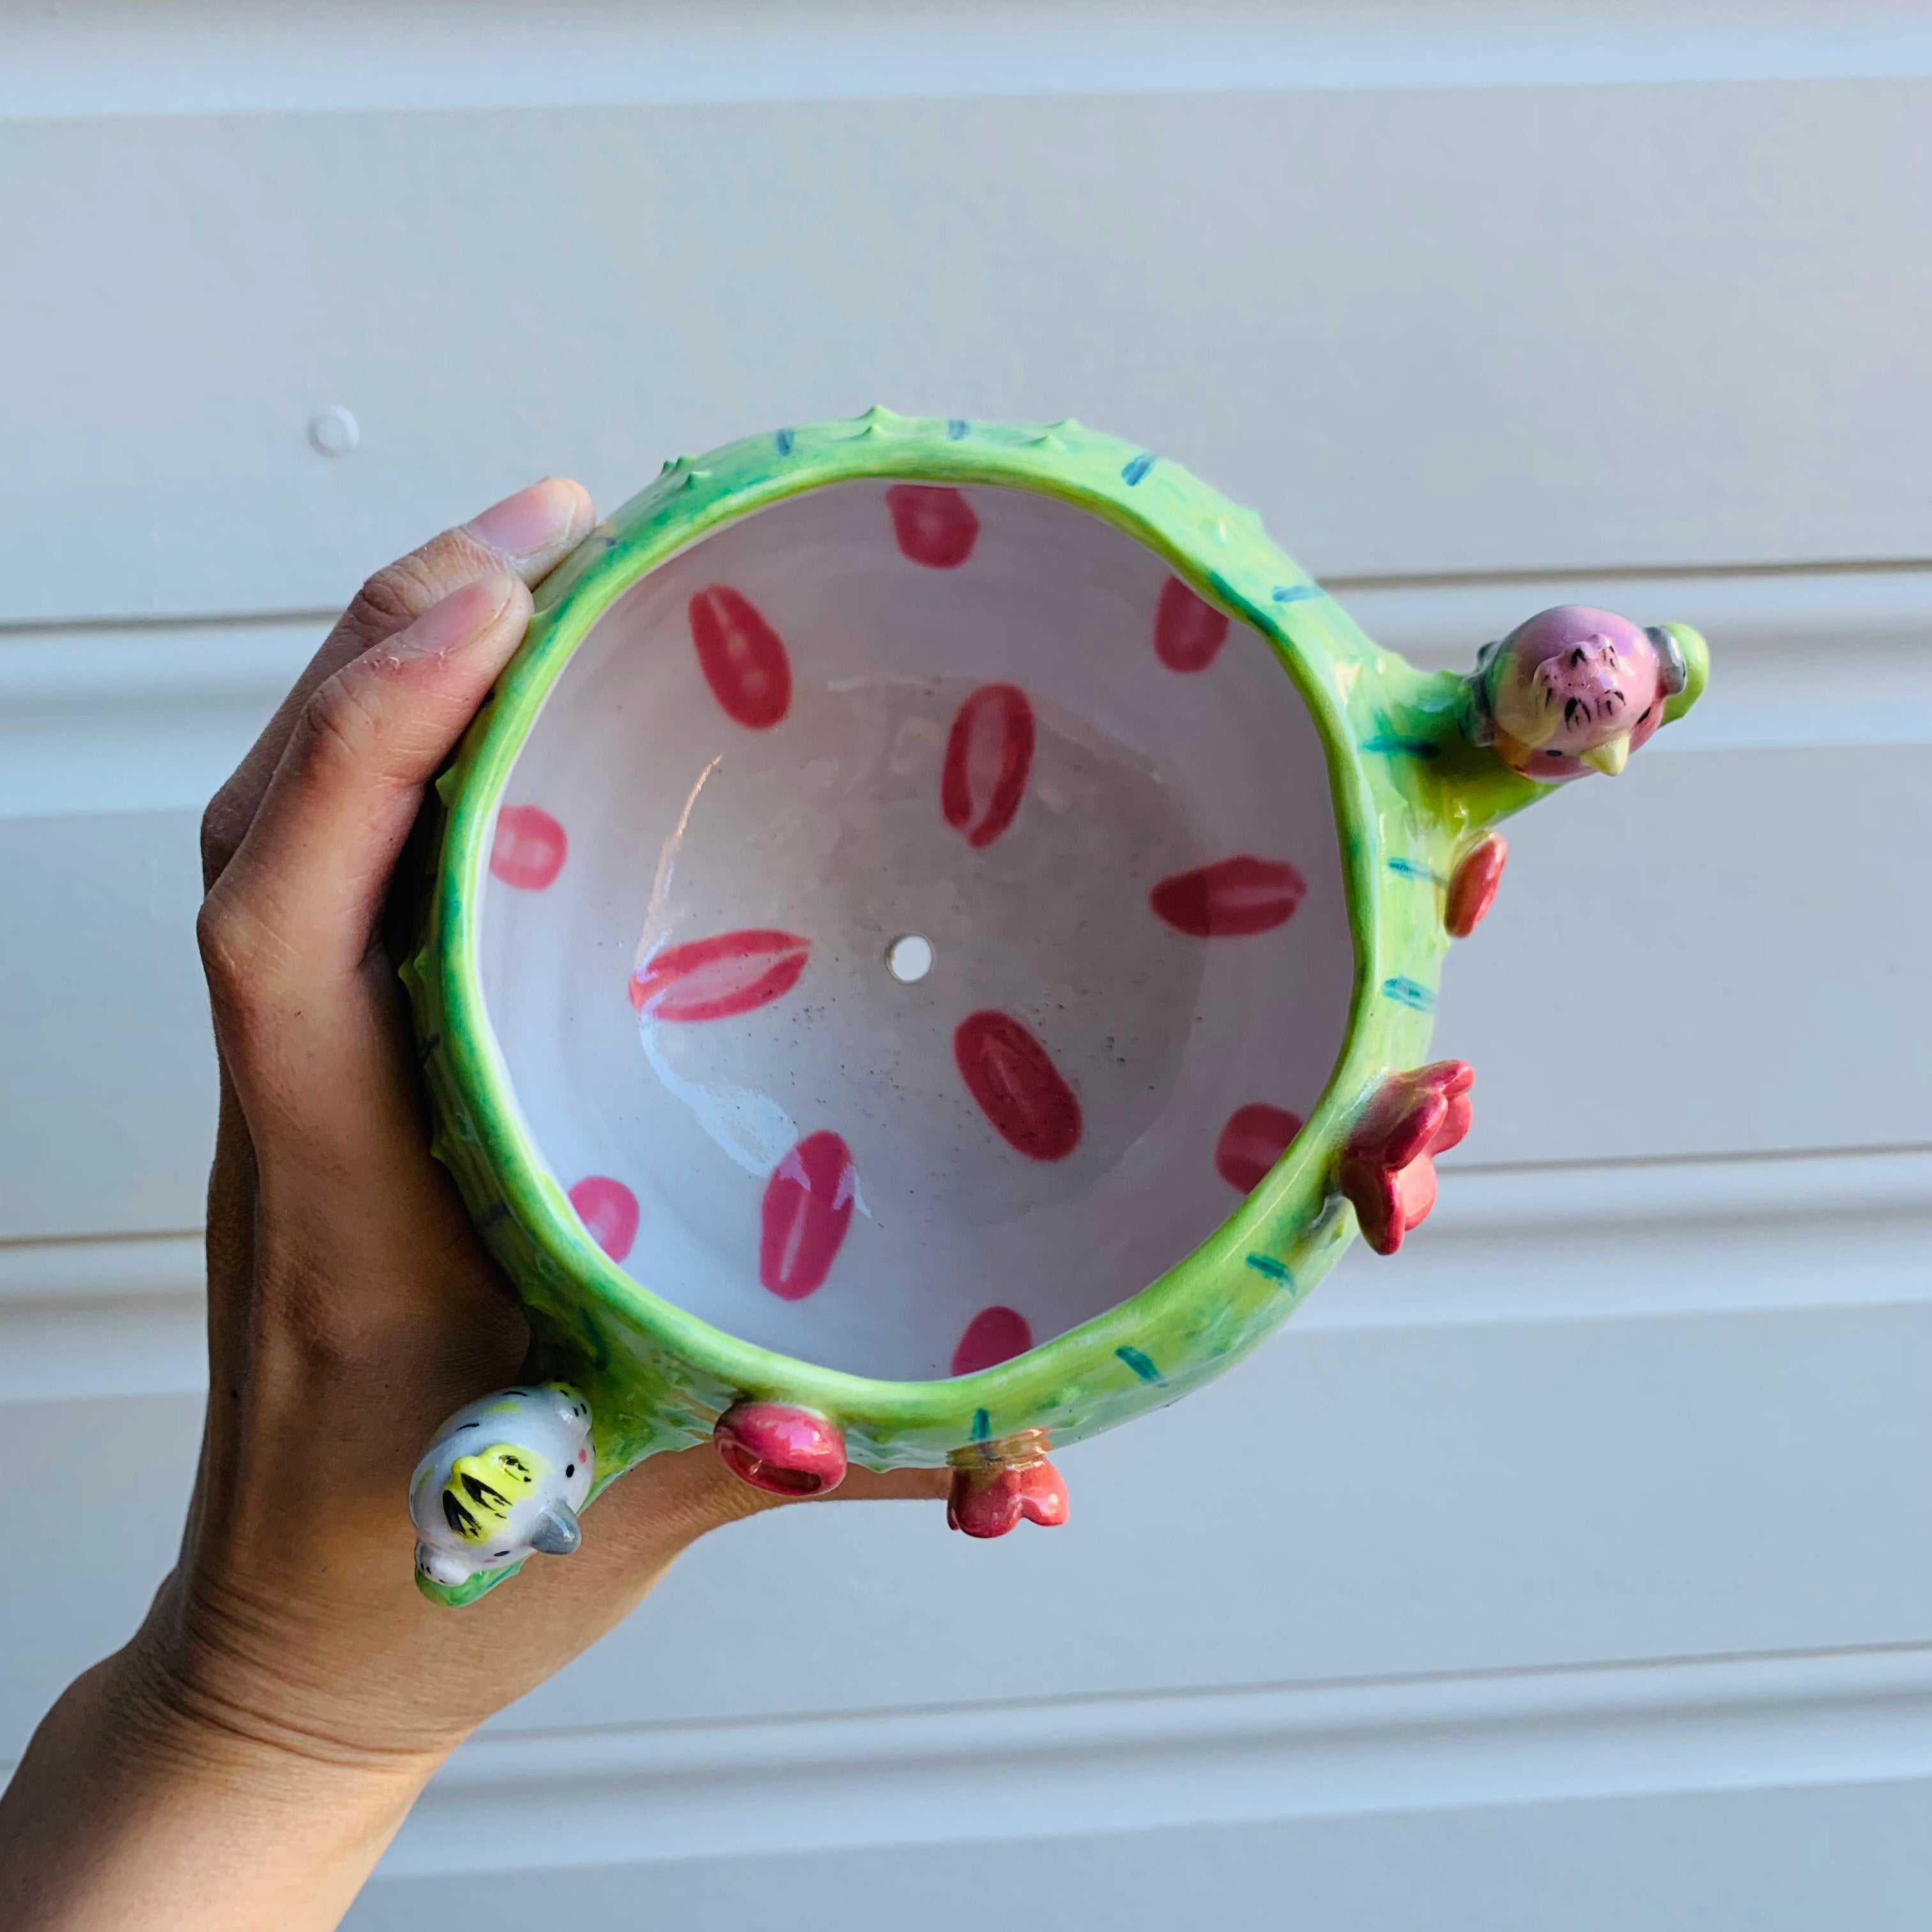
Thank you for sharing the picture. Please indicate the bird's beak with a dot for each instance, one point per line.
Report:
(555, 1533)
(1609, 759)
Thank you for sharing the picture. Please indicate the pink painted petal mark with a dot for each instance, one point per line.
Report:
(714, 979)
(993, 1336)
(808, 1208)
(988, 754)
(529, 848)
(1255, 1137)
(781, 1449)
(1017, 1088)
(1240, 895)
(742, 658)
(1387, 1168)
(609, 1212)
(1188, 632)
(1472, 886)
(935, 525)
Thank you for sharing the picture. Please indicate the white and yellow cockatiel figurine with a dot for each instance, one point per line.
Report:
(504, 1480)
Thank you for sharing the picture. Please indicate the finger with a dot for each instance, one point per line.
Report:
(675, 1497)
(286, 929)
(527, 535)
(877, 1486)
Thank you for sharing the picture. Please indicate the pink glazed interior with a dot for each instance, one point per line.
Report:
(982, 718)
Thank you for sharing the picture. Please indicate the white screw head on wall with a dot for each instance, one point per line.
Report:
(334, 431)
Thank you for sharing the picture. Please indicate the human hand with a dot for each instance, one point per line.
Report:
(290, 1690)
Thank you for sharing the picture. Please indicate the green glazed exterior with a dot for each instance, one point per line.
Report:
(1411, 795)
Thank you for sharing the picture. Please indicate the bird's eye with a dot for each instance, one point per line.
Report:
(1647, 710)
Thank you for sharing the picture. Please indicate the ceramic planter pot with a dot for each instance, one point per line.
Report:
(930, 952)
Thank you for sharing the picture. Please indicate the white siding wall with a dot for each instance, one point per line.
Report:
(1572, 1571)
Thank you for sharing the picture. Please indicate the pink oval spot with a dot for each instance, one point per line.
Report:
(1255, 1137)
(808, 1208)
(988, 754)
(1017, 1088)
(934, 526)
(993, 1336)
(742, 658)
(1239, 896)
(714, 979)
(609, 1212)
(528, 849)
(1188, 632)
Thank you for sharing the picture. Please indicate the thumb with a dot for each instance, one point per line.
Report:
(290, 922)
(304, 1006)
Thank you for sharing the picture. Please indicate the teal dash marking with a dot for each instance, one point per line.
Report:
(782, 442)
(1294, 593)
(1275, 1270)
(982, 1425)
(956, 429)
(1391, 746)
(1133, 471)
(1139, 1363)
(1409, 993)
(1410, 868)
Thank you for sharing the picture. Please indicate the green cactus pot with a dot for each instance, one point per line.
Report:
(930, 952)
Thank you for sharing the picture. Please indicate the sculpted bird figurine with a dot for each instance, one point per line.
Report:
(1573, 690)
(504, 1478)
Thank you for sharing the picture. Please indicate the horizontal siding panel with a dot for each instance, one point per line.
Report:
(872, 1780)
(93, 57)
(1769, 1860)
(103, 1490)
(107, 1106)
(107, 1110)
(1715, 954)
(1465, 331)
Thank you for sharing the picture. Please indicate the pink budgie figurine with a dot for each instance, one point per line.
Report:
(1573, 690)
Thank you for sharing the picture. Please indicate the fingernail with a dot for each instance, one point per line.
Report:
(547, 515)
(462, 616)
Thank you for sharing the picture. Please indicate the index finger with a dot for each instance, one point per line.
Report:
(527, 535)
